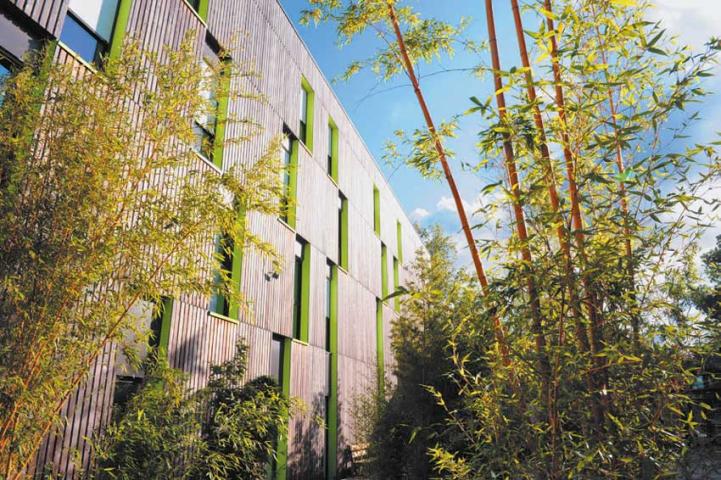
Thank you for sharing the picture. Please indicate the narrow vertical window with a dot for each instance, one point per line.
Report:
(157, 319)
(342, 231)
(380, 355)
(280, 372)
(399, 240)
(89, 26)
(200, 7)
(331, 400)
(376, 210)
(204, 126)
(396, 285)
(332, 160)
(301, 290)
(384, 271)
(224, 249)
(305, 129)
(289, 177)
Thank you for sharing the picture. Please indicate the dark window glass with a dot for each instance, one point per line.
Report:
(287, 158)
(4, 74)
(224, 248)
(303, 132)
(276, 359)
(125, 388)
(82, 40)
(342, 205)
(328, 300)
(331, 133)
(298, 287)
(206, 124)
(195, 4)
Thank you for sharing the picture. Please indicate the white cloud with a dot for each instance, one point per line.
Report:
(419, 214)
(694, 21)
(446, 204)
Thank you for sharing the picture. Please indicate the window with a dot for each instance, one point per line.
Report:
(89, 27)
(396, 285)
(380, 356)
(200, 7)
(399, 240)
(231, 260)
(305, 130)
(204, 126)
(301, 290)
(342, 231)
(289, 174)
(332, 160)
(157, 320)
(384, 270)
(276, 359)
(376, 210)
(328, 302)
(280, 372)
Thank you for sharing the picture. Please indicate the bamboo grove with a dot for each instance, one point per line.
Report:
(587, 375)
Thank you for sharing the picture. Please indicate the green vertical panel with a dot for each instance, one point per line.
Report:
(344, 234)
(333, 380)
(380, 357)
(281, 471)
(237, 269)
(396, 284)
(310, 113)
(222, 115)
(203, 9)
(293, 184)
(121, 25)
(384, 271)
(305, 294)
(376, 210)
(166, 314)
(334, 151)
(399, 240)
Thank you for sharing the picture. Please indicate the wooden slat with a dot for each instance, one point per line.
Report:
(258, 33)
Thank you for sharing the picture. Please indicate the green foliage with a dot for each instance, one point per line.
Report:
(102, 204)
(611, 399)
(152, 433)
(244, 422)
(401, 427)
(227, 430)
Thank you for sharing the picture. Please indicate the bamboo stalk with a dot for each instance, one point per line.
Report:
(630, 269)
(440, 150)
(521, 230)
(596, 340)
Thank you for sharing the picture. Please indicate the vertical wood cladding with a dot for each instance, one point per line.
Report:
(258, 33)
(48, 14)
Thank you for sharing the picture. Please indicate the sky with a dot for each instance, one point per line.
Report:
(379, 109)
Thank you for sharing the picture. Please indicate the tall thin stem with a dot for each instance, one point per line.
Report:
(440, 150)
(520, 220)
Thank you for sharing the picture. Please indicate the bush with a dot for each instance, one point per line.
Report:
(225, 431)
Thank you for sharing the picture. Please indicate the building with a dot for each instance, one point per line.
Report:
(320, 327)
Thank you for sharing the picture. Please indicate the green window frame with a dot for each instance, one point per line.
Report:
(396, 285)
(332, 162)
(342, 231)
(384, 271)
(331, 451)
(307, 109)
(399, 240)
(104, 47)
(230, 255)
(289, 160)
(301, 290)
(380, 354)
(221, 117)
(376, 211)
(200, 7)
(279, 465)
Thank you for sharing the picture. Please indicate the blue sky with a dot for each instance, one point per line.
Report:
(380, 109)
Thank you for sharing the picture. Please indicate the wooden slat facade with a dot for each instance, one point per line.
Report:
(259, 32)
